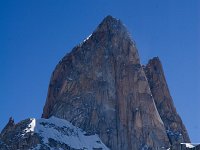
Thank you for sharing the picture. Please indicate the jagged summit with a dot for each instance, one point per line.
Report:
(109, 42)
(110, 18)
(108, 29)
(154, 59)
(110, 33)
(8, 126)
(110, 23)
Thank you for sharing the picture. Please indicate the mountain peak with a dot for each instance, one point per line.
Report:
(109, 19)
(155, 61)
(111, 24)
(8, 127)
(101, 88)
(95, 89)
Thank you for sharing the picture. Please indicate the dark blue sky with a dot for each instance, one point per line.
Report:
(35, 35)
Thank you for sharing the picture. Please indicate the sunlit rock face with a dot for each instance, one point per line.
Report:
(102, 88)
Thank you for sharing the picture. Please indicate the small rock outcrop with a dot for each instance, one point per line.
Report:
(10, 125)
(101, 97)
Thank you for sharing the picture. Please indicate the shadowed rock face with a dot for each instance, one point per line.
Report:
(101, 87)
(175, 128)
(14, 136)
(10, 125)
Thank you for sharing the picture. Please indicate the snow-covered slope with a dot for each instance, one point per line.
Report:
(48, 134)
(64, 132)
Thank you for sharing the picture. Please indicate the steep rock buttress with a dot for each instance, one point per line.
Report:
(175, 128)
(102, 88)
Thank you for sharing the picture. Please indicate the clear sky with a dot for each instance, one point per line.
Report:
(36, 34)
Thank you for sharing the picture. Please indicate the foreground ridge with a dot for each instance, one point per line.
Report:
(50, 134)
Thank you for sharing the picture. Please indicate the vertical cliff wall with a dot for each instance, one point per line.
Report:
(102, 88)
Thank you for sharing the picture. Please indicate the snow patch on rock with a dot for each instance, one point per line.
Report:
(188, 145)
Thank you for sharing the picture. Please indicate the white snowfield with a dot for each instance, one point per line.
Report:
(64, 132)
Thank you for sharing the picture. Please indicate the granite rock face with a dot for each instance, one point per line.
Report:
(174, 126)
(102, 89)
